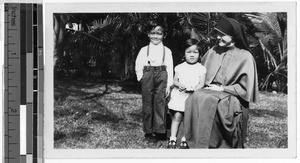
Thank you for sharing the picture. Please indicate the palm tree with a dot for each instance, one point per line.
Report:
(272, 39)
(78, 50)
(199, 26)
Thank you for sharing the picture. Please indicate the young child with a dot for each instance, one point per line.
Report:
(189, 76)
(154, 69)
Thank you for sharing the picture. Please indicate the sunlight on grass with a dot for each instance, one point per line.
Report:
(90, 115)
(267, 127)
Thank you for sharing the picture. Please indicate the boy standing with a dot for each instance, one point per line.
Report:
(154, 69)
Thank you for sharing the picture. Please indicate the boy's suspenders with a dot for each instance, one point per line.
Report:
(163, 62)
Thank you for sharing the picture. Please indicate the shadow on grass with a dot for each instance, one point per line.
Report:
(67, 87)
(79, 104)
(80, 132)
(62, 92)
(75, 110)
(58, 135)
(263, 113)
(131, 87)
(97, 117)
(136, 116)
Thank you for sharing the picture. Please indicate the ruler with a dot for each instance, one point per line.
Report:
(23, 82)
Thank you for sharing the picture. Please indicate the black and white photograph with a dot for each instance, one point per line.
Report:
(101, 102)
(171, 80)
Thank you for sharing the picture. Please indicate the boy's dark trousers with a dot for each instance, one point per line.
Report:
(154, 83)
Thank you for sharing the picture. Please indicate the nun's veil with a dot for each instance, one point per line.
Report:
(234, 29)
(240, 36)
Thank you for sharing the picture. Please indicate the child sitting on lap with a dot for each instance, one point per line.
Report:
(189, 76)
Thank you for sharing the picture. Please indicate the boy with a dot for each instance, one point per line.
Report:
(154, 69)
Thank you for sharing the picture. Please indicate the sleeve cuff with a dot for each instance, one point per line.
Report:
(139, 76)
(229, 89)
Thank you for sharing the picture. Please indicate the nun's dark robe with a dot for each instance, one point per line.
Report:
(213, 119)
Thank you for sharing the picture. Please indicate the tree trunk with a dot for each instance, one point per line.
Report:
(59, 31)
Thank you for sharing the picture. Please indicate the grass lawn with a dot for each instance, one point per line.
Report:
(93, 114)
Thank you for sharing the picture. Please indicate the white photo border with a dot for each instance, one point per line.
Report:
(51, 8)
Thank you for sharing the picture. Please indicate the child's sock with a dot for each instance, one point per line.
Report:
(173, 138)
(183, 139)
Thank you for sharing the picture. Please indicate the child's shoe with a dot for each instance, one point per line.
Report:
(183, 145)
(171, 144)
(161, 137)
(150, 138)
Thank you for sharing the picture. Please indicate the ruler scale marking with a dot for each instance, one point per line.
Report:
(13, 52)
(23, 95)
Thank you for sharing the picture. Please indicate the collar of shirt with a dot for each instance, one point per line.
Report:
(155, 54)
(156, 47)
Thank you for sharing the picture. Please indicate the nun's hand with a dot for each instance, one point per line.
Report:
(214, 87)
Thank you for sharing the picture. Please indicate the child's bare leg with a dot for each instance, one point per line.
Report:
(183, 143)
(176, 119)
(183, 136)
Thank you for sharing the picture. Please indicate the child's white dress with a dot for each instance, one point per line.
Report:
(189, 75)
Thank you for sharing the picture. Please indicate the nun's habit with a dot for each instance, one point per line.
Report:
(218, 119)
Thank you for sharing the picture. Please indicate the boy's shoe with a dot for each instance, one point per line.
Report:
(150, 138)
(183, 145)
(161, 137)
(171, 144)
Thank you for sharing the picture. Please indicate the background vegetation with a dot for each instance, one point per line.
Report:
(105, 46)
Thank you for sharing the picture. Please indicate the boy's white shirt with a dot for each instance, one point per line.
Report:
(156, 58)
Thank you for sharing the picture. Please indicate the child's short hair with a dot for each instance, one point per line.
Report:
(191, 42)
(153, 25)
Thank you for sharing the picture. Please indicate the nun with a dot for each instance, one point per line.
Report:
(216, 116)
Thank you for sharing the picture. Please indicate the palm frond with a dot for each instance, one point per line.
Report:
(271, 61)
(266, 23)
(272, 40)
(284, 45)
